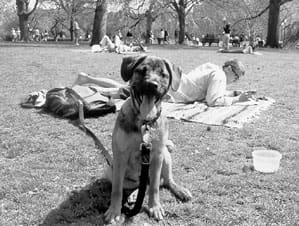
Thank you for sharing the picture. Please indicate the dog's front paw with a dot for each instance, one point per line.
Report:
(157, 212)
(113, 214)
(184, 195)
(179, 192)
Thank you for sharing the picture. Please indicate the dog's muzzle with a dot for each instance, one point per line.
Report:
(145, 98)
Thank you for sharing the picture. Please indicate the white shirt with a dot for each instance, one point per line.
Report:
(205, 83)
(117, 40)
(76, 25)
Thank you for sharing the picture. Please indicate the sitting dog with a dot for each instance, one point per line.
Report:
(150, 78)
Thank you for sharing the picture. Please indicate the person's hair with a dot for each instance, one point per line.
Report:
(236, 66)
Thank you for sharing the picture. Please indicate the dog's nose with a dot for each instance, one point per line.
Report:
(150, 87)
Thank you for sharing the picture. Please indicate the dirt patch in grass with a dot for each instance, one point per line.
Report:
(52, 174)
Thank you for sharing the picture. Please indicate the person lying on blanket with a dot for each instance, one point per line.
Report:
(106, 44)
(207, 82)
(246, 50)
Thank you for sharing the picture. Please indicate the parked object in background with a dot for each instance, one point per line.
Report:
(210, 38)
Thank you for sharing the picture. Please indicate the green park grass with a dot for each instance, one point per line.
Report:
(52, 174)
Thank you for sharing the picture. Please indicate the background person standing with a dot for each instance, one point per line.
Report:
(226, 35)
(13, 35)
(18, 31)
(176, 36)
(76, 32)
(166, 36)
(129, 38)
(161, 36)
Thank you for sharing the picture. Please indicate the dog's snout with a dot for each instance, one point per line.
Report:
(153, 84)
(150, 87)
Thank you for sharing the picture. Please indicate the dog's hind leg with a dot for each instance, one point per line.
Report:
(178, 191)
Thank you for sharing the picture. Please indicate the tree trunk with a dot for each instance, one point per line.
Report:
(23, 14)
(273, 21)
(149, 23)
(100, 22)
(182, 23)
(72, 29)
(23, 23)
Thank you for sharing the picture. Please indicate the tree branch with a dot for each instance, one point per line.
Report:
(192, 3)
(174, 5)
(284, 1)
(252, 17)
(63, 6)
(34, 8)
(135, 24)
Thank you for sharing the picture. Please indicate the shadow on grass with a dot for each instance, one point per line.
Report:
(84, 207)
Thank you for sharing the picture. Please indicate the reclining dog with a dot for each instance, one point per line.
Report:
(150, 78)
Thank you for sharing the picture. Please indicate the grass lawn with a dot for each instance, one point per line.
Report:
(52, 174)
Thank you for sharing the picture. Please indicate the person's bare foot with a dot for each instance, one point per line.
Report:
(81, 79)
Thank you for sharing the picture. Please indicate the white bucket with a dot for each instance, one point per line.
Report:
(266, 161)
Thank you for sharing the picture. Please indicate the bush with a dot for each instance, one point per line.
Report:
(5, 36)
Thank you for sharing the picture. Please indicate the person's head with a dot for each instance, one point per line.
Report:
(233, 69)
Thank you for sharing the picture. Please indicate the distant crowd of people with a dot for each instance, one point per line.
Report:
(158, 36)
(118, 45)
(34, 35)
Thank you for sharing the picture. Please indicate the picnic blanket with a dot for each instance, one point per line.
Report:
(231, 116)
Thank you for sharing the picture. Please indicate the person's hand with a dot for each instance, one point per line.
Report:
(237, 93)
(246, 96)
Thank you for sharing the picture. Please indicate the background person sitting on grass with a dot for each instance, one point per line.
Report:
(246, 50)
(207, 82)
(106, 44)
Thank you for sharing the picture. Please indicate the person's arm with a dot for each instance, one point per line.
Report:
(109, 92)
(225, 101)
(229, 100)
(232, 93)
(217, 95)
(216, 90)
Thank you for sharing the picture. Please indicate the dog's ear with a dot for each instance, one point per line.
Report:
(128, 65)
(175, 73)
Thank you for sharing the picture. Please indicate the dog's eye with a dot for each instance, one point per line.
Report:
(141, 70)
(144, 70)
(165, 75)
